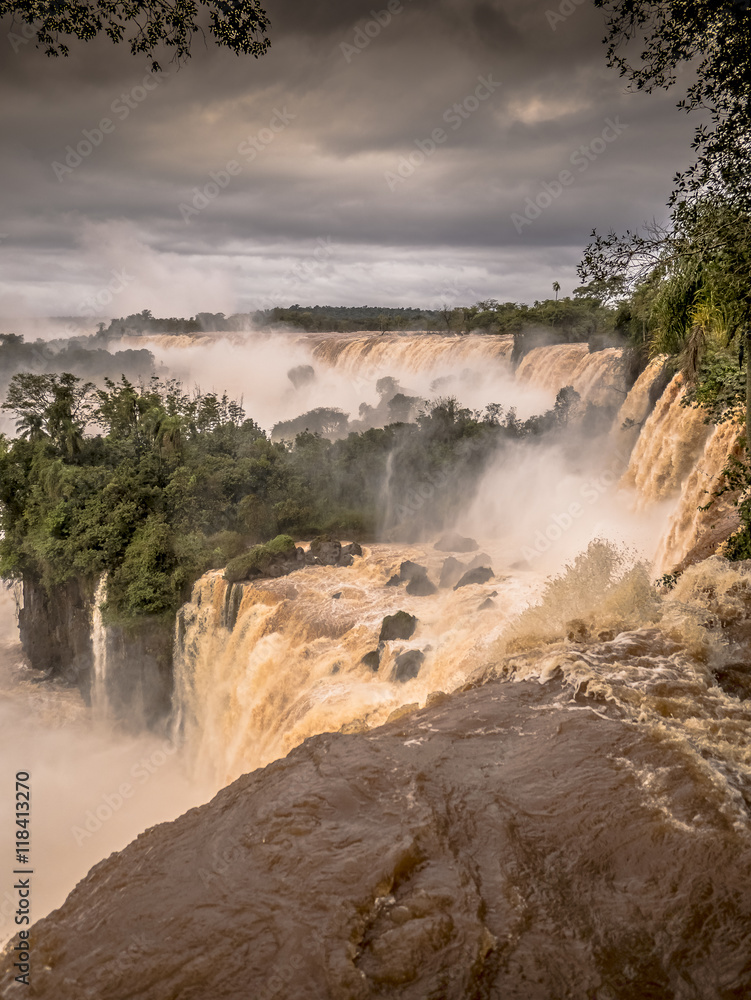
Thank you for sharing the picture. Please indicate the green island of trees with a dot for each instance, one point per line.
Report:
(164, 485)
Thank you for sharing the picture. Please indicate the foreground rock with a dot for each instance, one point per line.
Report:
(407, 665)
(397, 626)
(496, 845)
(479, 575)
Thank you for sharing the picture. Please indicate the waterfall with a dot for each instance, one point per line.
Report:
(690, 521)
(597, 376)
(678, 457)
(411, 352)
(99, 694)
(671, 441)
(261, 666)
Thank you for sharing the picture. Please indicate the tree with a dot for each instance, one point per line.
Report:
(709, 234)
(713, 38)
(239, 25)
(556, 289)
(54, 406)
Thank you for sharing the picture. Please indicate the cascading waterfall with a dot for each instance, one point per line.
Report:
(99, 696)
(412, 352)
(669, 445)
(261, 666)
(597, 376)
(697, 511)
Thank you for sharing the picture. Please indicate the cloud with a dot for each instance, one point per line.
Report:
(349, 125)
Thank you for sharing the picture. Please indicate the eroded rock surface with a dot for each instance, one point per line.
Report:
(501, 844)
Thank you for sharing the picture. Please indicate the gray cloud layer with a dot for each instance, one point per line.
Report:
(211, 182)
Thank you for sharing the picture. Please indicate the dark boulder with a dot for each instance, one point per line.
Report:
(734, 679)
(327, 550)
(409, 570)
(372, 659)
(487, 604)
(301, 375)
(420, 586)
(407, 665)
(479, 575)
(398, 626)
(394, 581)
(452, 542)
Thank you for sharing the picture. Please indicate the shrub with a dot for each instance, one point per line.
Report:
(259, 560)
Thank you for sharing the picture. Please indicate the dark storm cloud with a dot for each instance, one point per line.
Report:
(333, 135)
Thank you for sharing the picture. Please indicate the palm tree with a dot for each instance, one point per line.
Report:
(31, 427)
(556, 289)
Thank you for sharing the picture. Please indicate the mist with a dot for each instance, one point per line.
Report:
(93, 789)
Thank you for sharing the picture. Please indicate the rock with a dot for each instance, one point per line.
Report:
(327, 550)
(607, 635)
(409, 570)
(407, 666)
(351, 549)
(336, 596)
(435, 698)
(487, 604)
(394, 581)
(301, 375)
(479, 575)
(483, 559)
(734, 679)
(372, 660)
(403, 711)
(398, 626)
(452, 542)
(451, 571)
(468, 864)
(336, 668)
(420, 586)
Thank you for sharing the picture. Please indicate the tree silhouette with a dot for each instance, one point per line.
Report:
(239, 25)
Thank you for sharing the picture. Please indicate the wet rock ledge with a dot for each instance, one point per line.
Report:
(491, 846)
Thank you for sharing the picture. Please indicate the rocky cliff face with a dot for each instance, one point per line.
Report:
(55, 629)
(139, 675)
(56, 634)
(505, 842)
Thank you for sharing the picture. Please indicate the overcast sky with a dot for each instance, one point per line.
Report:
(334, 194)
